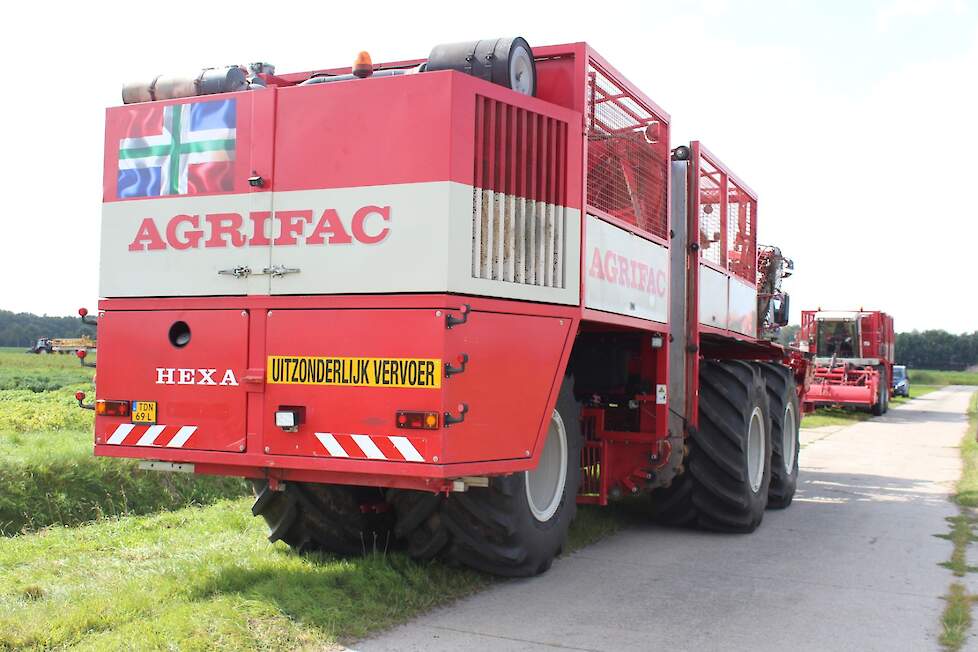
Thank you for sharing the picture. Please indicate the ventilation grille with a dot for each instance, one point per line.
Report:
(628, 156)
(519, 196)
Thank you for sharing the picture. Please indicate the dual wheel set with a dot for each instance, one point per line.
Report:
(742, 459)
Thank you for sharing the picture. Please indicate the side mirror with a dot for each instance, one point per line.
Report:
(781, 311)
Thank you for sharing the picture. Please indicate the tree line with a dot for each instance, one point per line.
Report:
(937, 349)
(24, 328)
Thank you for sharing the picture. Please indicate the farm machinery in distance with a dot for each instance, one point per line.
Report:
(62, 345)
(854, 352)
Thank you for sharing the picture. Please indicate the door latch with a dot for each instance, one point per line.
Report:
(241, 271)
(277, 271)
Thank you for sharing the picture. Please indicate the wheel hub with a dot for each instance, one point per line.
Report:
(789, 443)
(755, 450)
(545, 483)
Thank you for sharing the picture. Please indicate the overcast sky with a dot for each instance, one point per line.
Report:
(855, 122)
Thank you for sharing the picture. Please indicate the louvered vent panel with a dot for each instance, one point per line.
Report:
(519, 196)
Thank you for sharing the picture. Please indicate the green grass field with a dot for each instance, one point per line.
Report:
(48, 474)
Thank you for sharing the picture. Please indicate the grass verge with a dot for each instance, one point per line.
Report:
(48, 473)
(956, 618)
(72, 489)
(837, 416)
(206, 578)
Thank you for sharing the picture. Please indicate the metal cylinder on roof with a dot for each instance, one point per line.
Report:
(208, 81)
(504, 61)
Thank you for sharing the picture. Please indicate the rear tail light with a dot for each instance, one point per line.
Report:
(112, 408)
(417, 420)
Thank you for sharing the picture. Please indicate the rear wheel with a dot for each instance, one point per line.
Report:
(311, 517)
(725, 485)
(785, 421)
(515, 526)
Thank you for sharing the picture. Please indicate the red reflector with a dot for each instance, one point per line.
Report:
(417, 420)
(112, 408)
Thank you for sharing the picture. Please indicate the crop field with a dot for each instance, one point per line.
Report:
(97, 554)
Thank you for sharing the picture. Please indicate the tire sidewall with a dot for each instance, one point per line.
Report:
(569, 411)
(758, 399)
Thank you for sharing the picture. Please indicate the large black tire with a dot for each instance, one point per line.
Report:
(313, 517)
(785, 423)
(716, 491)
(882, 394)
(494, 529)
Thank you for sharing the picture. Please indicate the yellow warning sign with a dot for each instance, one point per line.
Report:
(357, 372)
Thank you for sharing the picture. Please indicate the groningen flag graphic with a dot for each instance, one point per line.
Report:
(180, 149)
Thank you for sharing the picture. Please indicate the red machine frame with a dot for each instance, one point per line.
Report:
(627, 459)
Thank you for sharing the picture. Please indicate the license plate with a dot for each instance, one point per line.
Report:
(144, 412)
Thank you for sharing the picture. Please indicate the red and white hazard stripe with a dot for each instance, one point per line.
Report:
(370, 447)
(131, 434)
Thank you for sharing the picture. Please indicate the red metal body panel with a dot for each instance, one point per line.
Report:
(190, 384)
(501, 432)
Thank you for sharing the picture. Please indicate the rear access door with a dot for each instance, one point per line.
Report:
(187, 201)
(181, 372)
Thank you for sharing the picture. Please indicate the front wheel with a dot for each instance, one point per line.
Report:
(515, 526)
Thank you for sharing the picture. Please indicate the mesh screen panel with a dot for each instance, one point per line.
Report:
(741, 239)
(711, 237)
(628, 156)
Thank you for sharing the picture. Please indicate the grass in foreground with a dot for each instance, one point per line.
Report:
(206, 578)
(956, 618)
(48, 473)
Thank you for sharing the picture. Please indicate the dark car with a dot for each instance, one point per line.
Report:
(901, 381)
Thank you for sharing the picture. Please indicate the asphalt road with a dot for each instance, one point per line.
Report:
(851, 565)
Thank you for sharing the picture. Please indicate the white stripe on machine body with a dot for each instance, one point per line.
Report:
(332, 446)
(182, 436)
(407, 449)
(365, 447)
(368, 447)
(149, 437)
(120, 433)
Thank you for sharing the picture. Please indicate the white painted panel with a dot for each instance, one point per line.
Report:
(370, 239)
(625, 274)
(427, 245)
(713, 301)
(140, 257)
(742, 316)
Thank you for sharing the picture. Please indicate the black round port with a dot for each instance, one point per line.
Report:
(179, 334)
